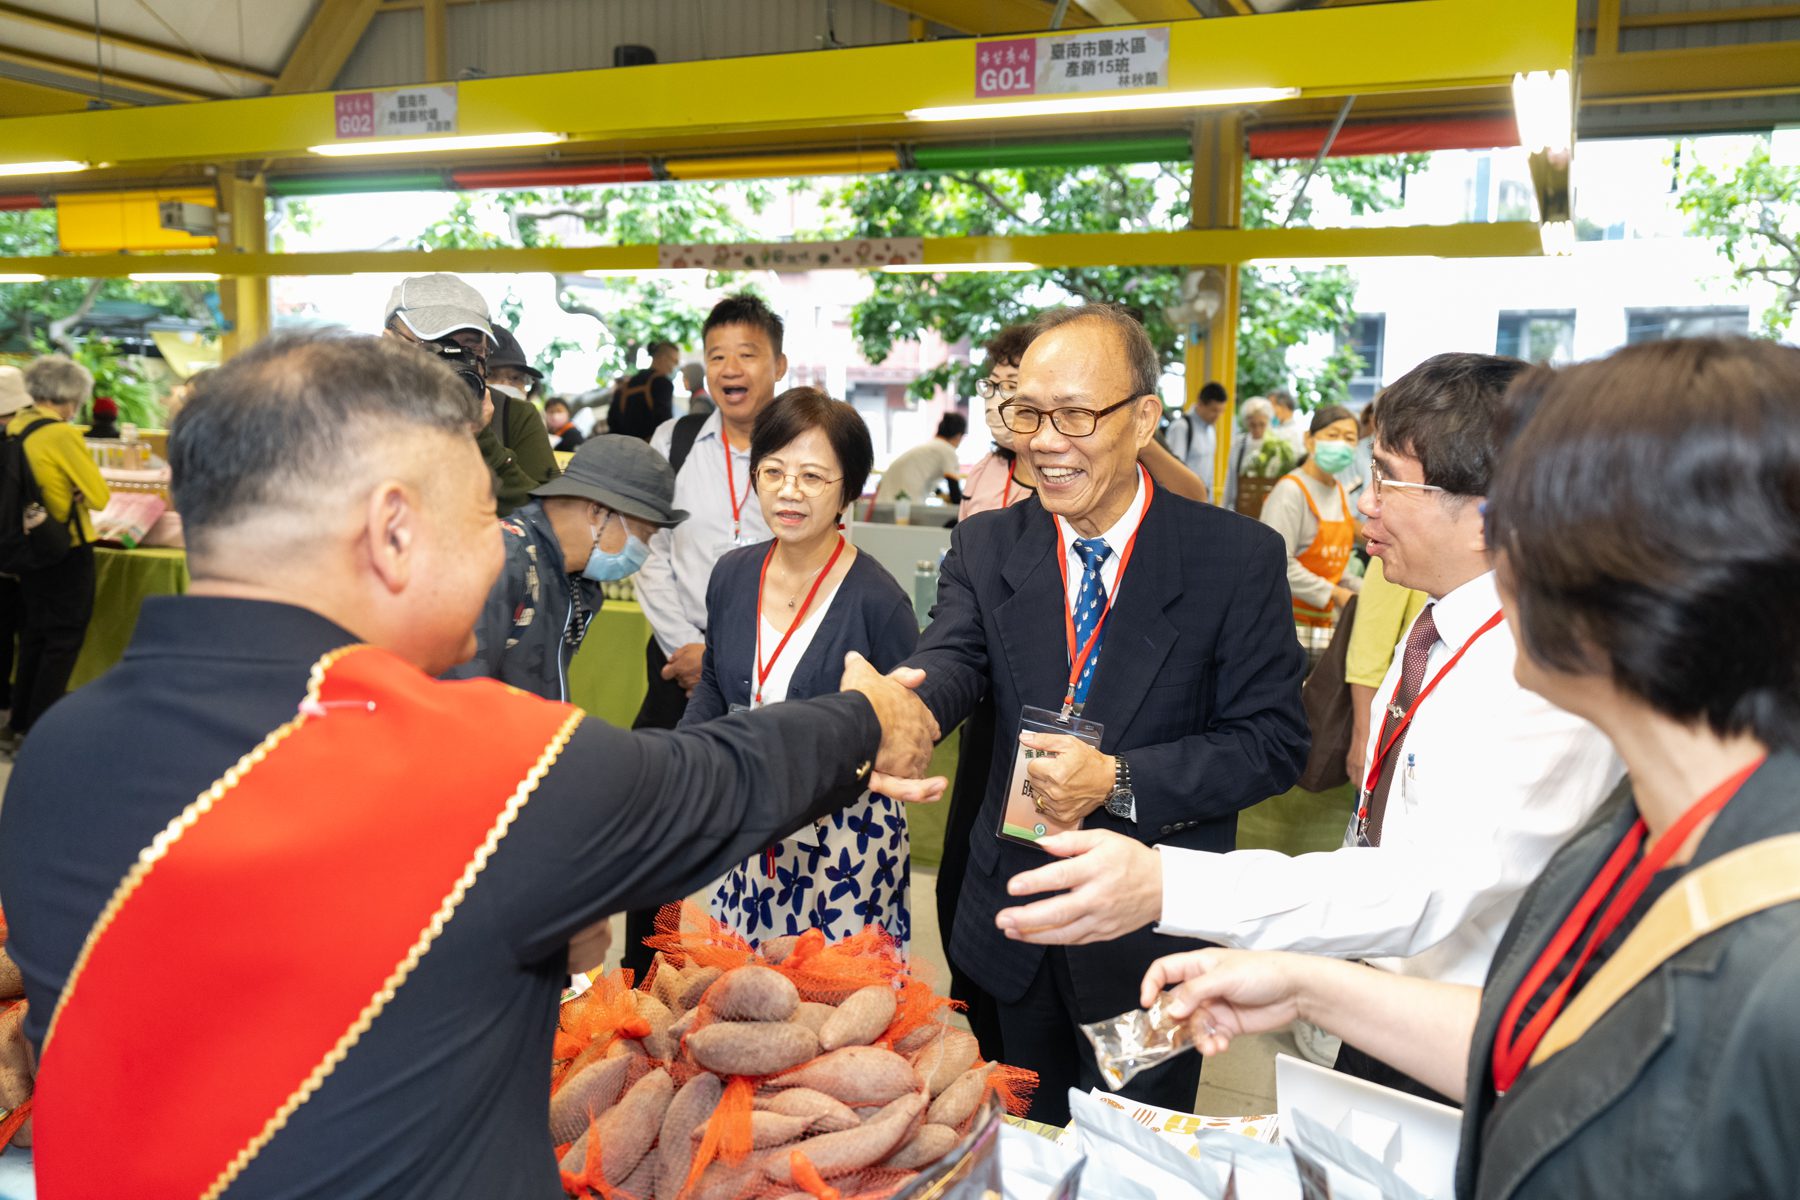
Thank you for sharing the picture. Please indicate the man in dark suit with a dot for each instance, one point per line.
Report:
(1194, 676)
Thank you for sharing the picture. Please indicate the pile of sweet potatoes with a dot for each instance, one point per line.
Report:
(17, 1070)
(733, 1083)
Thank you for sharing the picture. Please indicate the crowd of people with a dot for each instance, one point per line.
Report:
(1557, 601)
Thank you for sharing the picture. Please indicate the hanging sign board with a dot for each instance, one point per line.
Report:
(396, 112)
(1124, 60)
(864, 253)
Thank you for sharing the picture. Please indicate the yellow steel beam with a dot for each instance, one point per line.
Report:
(1369, 50)
(1710, 72)
(244, 299)
(1241, 8)
(991, 16)
(325, 45)
(1606, 28)
(13, 14)
(1500, 240)
(1218, 203)
(21, 99)
(81, 78)
(437, 40)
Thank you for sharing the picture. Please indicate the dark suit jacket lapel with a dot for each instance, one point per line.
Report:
(1030, 621)
(1138, 635)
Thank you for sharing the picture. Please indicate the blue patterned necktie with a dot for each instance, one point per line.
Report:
(1090, 604)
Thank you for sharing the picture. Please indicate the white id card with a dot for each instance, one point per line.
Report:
(1021, 820)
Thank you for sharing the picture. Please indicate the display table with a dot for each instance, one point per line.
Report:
(122, 578)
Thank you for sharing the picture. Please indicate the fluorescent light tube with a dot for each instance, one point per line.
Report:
(21, 278)
(428, 145)
(60, 166)
(955, 268)
(174, 277)
(1544, 105)
(1078, 104)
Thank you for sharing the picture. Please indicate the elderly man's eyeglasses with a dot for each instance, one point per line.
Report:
(1070, 422)
(810, 483)
(1380, 483)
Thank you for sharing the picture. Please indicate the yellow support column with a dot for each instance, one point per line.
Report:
(244, 298)
(1218, 197)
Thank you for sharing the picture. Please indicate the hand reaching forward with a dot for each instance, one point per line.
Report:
(908, 730)
(1223, 994)
(1111, 885)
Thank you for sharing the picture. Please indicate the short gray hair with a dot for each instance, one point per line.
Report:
(279, 425)
(1141, 359)
(1251, 407)
(59, 379)
(1283, 397)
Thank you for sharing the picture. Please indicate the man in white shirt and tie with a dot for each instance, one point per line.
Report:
(1472, 781)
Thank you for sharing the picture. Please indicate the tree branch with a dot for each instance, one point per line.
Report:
(58, 330)
(993, 196)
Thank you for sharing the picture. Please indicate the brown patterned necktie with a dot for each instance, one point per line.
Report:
(1419, 642)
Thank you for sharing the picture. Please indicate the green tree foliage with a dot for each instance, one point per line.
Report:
(1281, 307)
(633, 312)
(1753, 216)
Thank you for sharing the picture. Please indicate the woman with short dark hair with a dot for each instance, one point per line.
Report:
(565, 435)
(1636, 1035)
(781, 616)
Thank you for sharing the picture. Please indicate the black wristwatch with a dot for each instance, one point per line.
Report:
(1122, 803)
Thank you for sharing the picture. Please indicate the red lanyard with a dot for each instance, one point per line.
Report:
(763, 669)
(1006, 493)
(1384, 742)
(737, 502)
(1513, 1046)
(1077, 662)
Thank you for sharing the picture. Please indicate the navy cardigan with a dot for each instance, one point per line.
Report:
(870, 614)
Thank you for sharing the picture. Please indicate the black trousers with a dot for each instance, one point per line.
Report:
(59, 602)
(664, 704)
(1042, 1033)
(975, 754)
(12, 622)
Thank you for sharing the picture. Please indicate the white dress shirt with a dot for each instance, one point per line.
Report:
(1492, 780)
(671, 586)
(1116, 538)
(1195, 443)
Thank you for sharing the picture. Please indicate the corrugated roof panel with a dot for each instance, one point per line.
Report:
(391, 51)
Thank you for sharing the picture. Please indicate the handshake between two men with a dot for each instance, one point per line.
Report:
(908, 730)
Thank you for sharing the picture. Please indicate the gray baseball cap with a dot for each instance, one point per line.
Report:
(622, 473)
(435, 306)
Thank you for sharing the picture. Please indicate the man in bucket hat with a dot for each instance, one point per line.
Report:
(589, 526)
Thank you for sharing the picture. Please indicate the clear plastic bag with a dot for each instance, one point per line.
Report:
(1137, 1040)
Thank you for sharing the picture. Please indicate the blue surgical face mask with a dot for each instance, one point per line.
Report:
(606, 568)
(1333, 457)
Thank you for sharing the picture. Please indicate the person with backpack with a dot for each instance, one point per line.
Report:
(46, 473)
(644, 402)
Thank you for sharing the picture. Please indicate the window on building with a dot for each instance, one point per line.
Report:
(1539, 337)
(1365, 336)
(1658, 324)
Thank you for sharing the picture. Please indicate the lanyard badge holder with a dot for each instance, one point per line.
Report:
(1022, 818)
(738, 536)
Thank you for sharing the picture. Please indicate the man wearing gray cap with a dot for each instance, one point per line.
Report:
(449, 319)
(589, 526)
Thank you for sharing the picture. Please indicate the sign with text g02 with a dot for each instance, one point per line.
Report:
(396, 112)
(1121, 60)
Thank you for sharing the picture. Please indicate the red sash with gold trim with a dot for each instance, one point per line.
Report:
(274, 919)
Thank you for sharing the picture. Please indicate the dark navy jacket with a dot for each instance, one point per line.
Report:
(1198, 686)
(869, 614)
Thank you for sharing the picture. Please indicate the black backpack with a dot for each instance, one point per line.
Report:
(29, 539)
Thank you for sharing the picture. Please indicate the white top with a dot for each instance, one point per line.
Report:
(1493, 779)
(671, 587)
(1117, 537)
(918, 472)
(781, 673)
(1287, 513)
(1195, 443)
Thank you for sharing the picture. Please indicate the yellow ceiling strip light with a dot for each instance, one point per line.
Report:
(776, 166)
(1065, 106)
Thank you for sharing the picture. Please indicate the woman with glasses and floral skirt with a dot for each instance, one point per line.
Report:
(781, 616)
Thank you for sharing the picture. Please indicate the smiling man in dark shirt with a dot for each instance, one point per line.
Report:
(301, 930)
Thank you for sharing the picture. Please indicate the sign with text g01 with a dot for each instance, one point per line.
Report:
(396, 112)
(1122, 60)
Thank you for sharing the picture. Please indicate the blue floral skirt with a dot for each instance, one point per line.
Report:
(849, 871)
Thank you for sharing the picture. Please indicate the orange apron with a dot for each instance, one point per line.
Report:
(1328, 555)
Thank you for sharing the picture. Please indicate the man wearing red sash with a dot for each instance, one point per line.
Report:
(1473, 781)
(301, 931)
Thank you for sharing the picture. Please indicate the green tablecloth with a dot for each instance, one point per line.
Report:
(122, 578)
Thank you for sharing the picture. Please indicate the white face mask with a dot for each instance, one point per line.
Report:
(506, 389)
